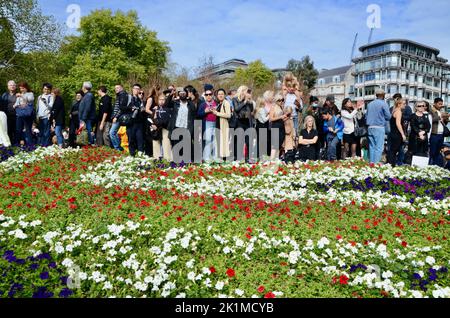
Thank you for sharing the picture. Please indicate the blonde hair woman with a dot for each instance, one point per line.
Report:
(397, 135)
(243, 107)
(277, 118)
(223, 113)
(308, 139)
(263, 107)
(159, 128)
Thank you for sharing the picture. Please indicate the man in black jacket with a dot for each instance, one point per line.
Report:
(87, 110)
(121, 102)
(183, 116)
(135, 129)
(104, 117)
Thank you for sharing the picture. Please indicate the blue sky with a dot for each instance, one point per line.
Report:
(275, 30)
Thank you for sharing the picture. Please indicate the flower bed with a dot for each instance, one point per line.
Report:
(96, 224)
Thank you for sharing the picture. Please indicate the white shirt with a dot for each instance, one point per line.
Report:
(44, 108)
(182, 118)
(348, 120)
(290, 102)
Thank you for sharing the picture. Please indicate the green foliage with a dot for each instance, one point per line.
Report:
(25, 29)
(304, 71)
(111, 48)
(257, 75)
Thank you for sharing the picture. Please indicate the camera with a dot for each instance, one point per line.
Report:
(135, 112)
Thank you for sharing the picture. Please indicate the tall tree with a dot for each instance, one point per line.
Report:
(304, 70)
(24, 28)
(111, 48)
(257, 75)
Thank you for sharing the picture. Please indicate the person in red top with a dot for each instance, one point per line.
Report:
(206, 112)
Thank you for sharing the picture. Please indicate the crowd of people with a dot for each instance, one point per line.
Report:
(218, 125)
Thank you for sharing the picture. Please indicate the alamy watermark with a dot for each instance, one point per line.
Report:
(74, 18)
(374, 19)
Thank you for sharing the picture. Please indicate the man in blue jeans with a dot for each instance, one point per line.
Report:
(87, 110)
(377, 116)
(333, 127)
(122, 101)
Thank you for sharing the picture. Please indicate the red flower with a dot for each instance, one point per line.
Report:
(261, 289)
(143, 217)
(343, 280)
(338, 237)
(404, 244)
(249, 229)
(179, 219)
(269, 295)
(71, 200)
(248, 236)
(231, 272)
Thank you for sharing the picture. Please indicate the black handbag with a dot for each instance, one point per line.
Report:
(446, 130)
(360, 130)
(125, 119)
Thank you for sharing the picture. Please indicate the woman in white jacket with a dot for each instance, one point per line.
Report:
(348, 114)
(4, 138)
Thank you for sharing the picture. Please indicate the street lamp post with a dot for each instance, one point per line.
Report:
(443, 75)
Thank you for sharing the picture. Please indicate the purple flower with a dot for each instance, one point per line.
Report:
(34, 266)
(52, 265)
(44, 275)
(65, 293)
(417, 276)
(443, 270)
(64, 280)
(44, 256)
(42, 293)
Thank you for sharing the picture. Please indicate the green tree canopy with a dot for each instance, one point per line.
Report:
(111, 48)
(304, 71)
(257, 75)
(23, 28)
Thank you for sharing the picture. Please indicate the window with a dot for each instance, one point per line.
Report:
(394, 89)
(392, 75)
(369, 77)
(420, 78)
(419, 93)
(412, 77)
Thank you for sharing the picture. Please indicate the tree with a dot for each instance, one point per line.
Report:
(304, 71)
(257, 75)
(112, 48)
(23, 28)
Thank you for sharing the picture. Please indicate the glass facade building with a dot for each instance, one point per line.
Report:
(401, 66)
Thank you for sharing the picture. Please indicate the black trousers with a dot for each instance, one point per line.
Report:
(395, 144)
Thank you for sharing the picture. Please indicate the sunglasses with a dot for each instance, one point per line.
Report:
(208, 94)
(420, 106)
(280, 100)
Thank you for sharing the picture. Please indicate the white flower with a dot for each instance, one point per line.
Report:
(219, 285)
(67, 262)
(430, 260)
(140, 286)
(107, 286)
(239, 292)
(181, 295)
(190, 263)
(387, 274)
(18, 233)
(207, 282)
(191, 276)
(323, 242)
